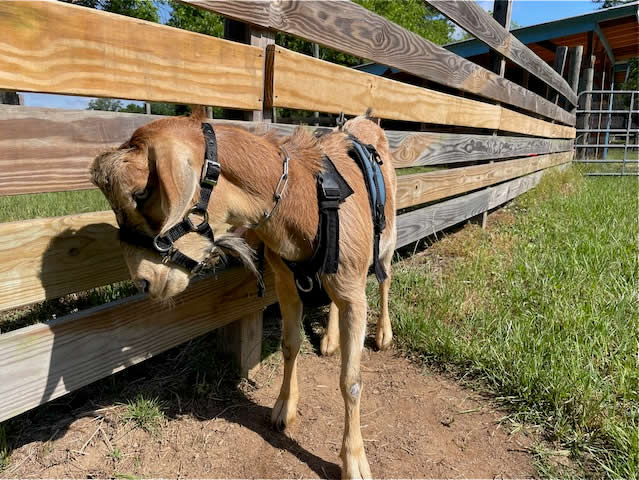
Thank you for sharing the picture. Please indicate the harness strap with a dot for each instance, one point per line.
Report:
(369, 162)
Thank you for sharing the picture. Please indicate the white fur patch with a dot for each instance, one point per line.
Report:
(355, 389)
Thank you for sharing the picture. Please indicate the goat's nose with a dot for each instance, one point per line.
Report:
(142, 284)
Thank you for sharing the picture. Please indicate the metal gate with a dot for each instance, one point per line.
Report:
(608, 132)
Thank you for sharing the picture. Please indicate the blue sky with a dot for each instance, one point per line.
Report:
(525, 13)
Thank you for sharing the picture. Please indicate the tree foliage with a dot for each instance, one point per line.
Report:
(611, 3)
(142, 9)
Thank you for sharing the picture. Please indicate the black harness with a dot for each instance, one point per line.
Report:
(332, 190)
(164, 243)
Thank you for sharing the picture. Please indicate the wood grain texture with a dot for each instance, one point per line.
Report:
(511, 121)
(61, 356)
(429, 148)
(308, 83)
(50, 150)
(60, 48)
(348, 27)
(426, 221)
(474, 19)
(426, 187)
(50, 257)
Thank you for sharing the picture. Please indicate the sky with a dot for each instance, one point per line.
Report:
(525, 13)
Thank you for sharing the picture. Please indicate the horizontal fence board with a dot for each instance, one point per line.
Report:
(511, 121)
(426, 187)
(350, 28)
(44, 361)
(431, 148)
(55, 47)
(475, 20)
(50, 257)
(49, 150)
(307, 83)
(415, 225)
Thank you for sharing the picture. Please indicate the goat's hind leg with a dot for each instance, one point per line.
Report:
(384, 334)
(330, 341)
(352, 328)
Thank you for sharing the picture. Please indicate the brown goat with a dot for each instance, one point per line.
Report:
(151, 182)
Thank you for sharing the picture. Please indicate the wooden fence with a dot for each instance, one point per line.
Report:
(60, 48)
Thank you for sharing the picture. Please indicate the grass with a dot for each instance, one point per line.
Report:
(542, 309)
(23, 207)
(145, 413)
(5, 450)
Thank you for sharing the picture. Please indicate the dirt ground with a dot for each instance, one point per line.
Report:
(415, 424)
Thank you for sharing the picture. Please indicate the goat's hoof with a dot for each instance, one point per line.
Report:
(356, 467)
(384, 339)
(328, 346)
(283, 414)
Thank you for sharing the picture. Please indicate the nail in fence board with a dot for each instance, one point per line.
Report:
(307, 83)
(350, 28)
(44, 361)
(475, 20)
(55, 47)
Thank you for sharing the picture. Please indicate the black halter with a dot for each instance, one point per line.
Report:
(164, 243)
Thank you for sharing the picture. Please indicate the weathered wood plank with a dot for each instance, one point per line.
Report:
(307, 83)
(50, 257)
(350, 28)
(474, 19)
(425, 187)
(511, 121)
(45, 361)
(426, 221)
(428, 148)
(60, 48)
(48, 150)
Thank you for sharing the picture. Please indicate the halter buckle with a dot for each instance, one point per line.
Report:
(210, 166)
(200, 227)
(160, 248)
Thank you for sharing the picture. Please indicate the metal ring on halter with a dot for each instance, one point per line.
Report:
(305, 290)
(202, 225)
(160, 248)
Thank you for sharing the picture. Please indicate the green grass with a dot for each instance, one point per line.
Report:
(23, 207)
(145, 413)
(542, 309)
(5, 450)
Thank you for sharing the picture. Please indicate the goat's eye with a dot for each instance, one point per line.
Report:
(141, 195)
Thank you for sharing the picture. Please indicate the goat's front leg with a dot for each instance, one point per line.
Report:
(352, 326)
(285, 409)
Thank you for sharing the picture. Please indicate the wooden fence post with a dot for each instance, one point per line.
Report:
(243, 338)
(502, 13)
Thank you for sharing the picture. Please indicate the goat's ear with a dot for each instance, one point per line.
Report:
(198, 113)
(177, 180)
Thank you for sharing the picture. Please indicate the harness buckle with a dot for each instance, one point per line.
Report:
(198, 268)
(214, 168)
(200, 227)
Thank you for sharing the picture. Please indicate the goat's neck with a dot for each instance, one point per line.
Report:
(291, 229)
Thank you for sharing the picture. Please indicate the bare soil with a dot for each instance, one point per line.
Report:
(415, 423)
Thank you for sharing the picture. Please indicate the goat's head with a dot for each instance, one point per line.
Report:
(151, 182)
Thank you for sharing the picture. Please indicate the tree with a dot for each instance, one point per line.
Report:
(195, 20)
(142, 9)
(106, 104)
(611, 3)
